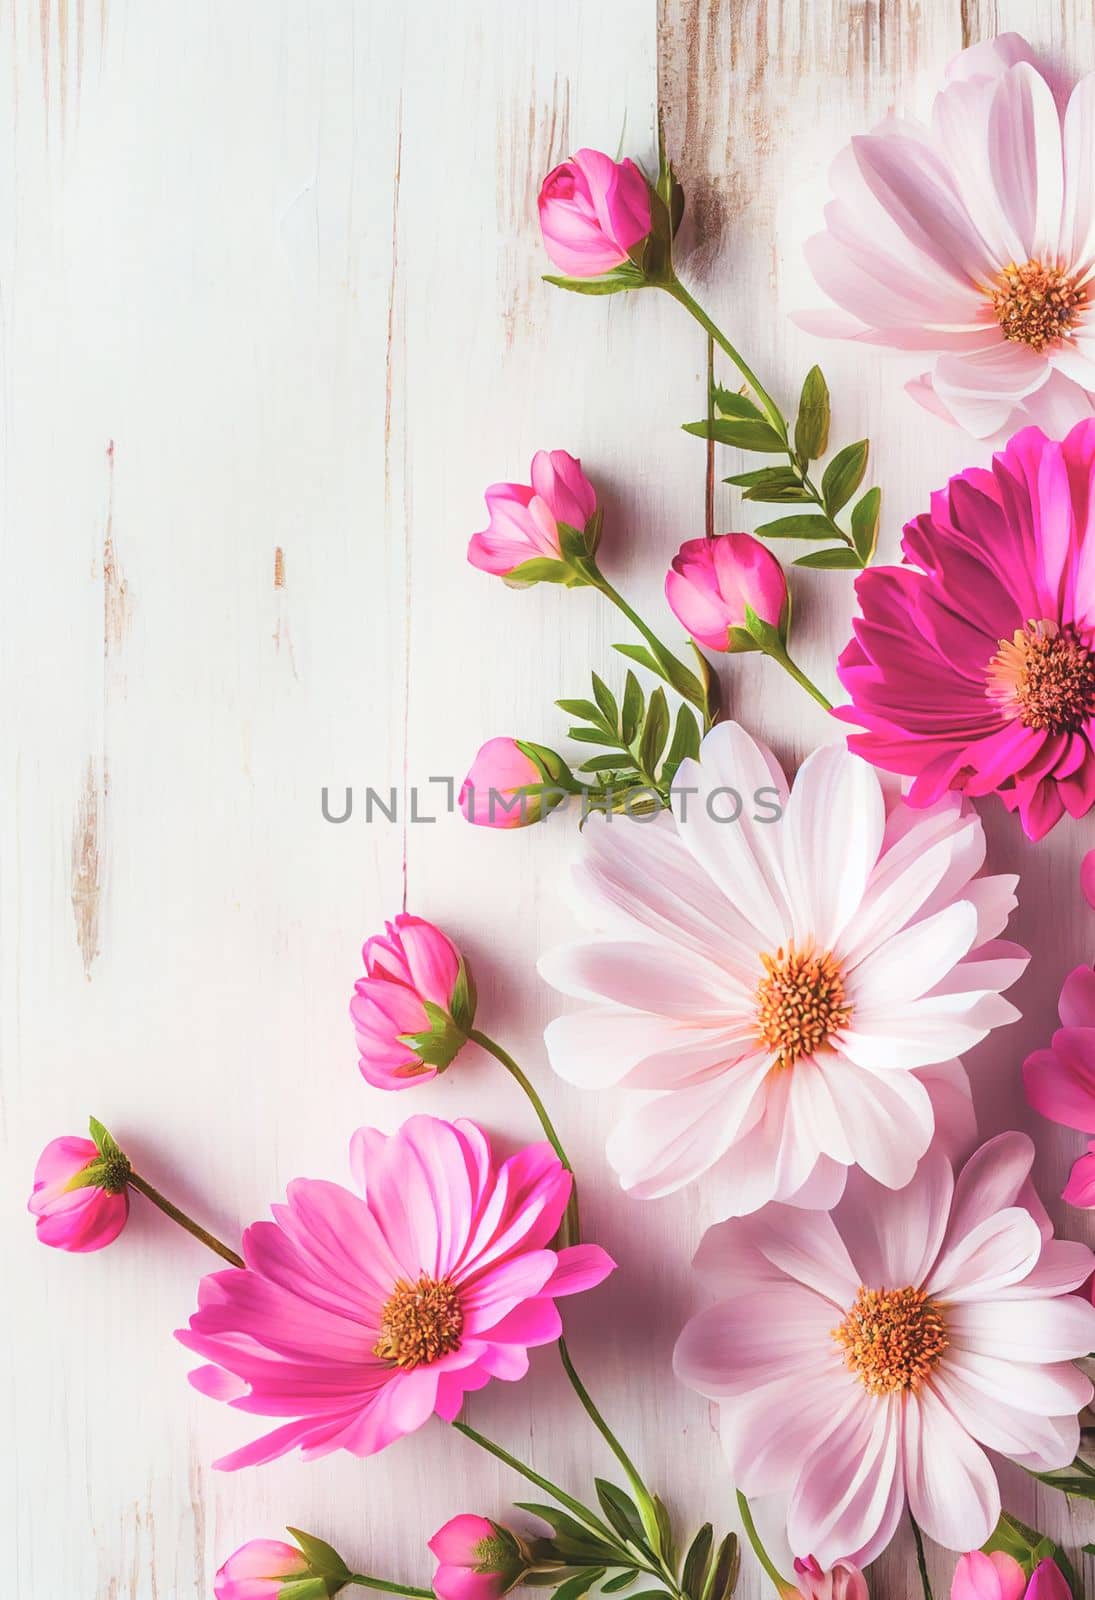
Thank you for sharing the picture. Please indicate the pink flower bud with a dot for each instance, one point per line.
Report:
(1048, 1583)
(525, 518)
(413, 1008)
(989, 1577)
(260, 1569)
(843, 1582)
(712, 581)
(478, 1560)
(490, 794)
(80, 1199)
(593, 211)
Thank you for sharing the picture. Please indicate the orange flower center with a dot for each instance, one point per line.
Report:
(420, 1322)
(1036, 305)
(800, 1003)
(892, 1338)
(1044, 676)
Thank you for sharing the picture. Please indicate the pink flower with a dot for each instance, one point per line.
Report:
(359, 1315)
(972, 665)
(1087, 878)
(526, 520)
(1060, 1081)
(491, 796)
(80, 1199)
(413, 1008)
(477, 1559)
(712, 581)
(996, 1576)
(871, 1356)
(781, 981)
(973, 239)
(261, 1568)
(593, 211)
(844, 1582)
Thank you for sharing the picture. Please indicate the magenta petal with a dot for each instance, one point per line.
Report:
(1080, 1188)
(1060, 1082)
(580, 1266)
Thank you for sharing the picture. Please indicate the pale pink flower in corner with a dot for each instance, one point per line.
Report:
(70, 1214)
(525, 518)
(260, 1569)
(712, 581)
(868, 1358)
(972, 239)
(477, 1559)
(409, 966)
(787, 991)
(842, 1582)
(593, 211)
(359, 1315)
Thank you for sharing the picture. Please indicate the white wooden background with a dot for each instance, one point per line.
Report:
(270, 318)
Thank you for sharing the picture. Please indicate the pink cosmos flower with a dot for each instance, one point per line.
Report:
(359, 1315)
(477, 1560)
(260, 1569)
(71, 1213)
(593, 211)
(1060, 1081)
(490, 796)
(871, 1356)
(1087, 878)
(409, 968)
(972, 665)
(786, 977)
(973, 239)
(525, 517)
(843, 1582)
(996, 1576)
(712, 581)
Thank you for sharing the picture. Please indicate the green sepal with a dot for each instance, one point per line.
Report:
(541, 569)
(440, 1046)
(107, 1146)
(626, 276)
(550, 764)
(768, 638)
(323, 1558)
(309, 1589)
(464, 998)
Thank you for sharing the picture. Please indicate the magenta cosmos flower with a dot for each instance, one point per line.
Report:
(70, 1212)
(593, 211)
(972, 665)
(711, 582)
(525, 518)
(869, 1357)
(973, 238)
(782, 980)
(477, 1559)
(1060, 1081)
(997, 1576)
(264, 1569)
(413, 1008)
(359, 1315)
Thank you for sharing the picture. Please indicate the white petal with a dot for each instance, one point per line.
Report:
(739, 1344)
(1049, 1391)
(914, 960)
(893, 1236)
(827, 866)
(948, 1086)
(669, 1139)
(1078, 225)
(646, 977)
(1026, 161)
(1025, 1330)
(996, 1253)
(991, 1180)
(882, 1122)
(953, 1493)
(849, 1496)
(607, 1044)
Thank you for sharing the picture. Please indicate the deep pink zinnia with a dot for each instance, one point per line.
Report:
(972, 665)
(360, 1315)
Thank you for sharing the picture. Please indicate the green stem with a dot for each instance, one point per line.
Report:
(921, 1560)
(775, 416)
(599, 1422)
(659, 651)
(783, 1587)
(588, 1518)
(485, 1042)
(800, 678)
(364, 1581)
(144, 1187)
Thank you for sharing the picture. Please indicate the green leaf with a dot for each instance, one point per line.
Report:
(639, 653)
(665, 1530)
(633, 707)
(586, 710)
(729, 403)
(812, 423)
(697, 1561)
(866, 516)
(622, 1581)
(606, 763)
(626, 276)
(766, 477)
(723, 1578)
(791, 496)
(843, 475)
(606, 700)
(571, 1536)
(838, 559)
(744, 434)
(616, 1504)
(587, 735)
(655, 732)
(803, 525)
(1027, 1546)
(685, 742)
(574, 1588)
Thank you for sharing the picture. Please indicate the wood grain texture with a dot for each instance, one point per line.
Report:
(270, 318)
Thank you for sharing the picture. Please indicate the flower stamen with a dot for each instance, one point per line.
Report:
(800, 1003)
(421, 1322)
(1036, 305)
(892, 1338)
(1044, 676)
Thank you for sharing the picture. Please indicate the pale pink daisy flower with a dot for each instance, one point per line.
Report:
(870, 1357)
(360, 1315)
(792, 985)
(972, 237)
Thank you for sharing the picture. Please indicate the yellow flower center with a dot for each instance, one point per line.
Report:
(800, 1003)
(892, 1338)
(1035, 304)
(1044, 676)
(420, 1322)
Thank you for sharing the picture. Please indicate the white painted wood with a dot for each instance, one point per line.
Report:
(270, 282)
